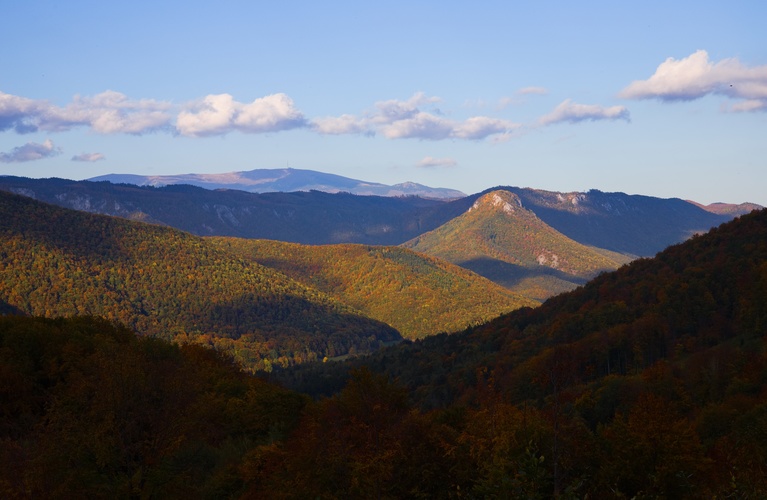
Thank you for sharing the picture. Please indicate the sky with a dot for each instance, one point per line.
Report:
(665, 99)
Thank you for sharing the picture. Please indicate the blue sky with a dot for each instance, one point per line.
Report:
(664, 99)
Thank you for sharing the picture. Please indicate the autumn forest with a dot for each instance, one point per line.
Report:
(142, 360)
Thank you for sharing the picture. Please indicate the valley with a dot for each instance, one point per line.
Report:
(493, 349)
(264, 303)
(383, 251)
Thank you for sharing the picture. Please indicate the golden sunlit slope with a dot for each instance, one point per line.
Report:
(416, 294)
(170, 284)
(503, 241)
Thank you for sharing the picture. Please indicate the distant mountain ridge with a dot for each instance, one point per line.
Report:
(630, 224)
(283, 180)
(611, 228)
(728, 208)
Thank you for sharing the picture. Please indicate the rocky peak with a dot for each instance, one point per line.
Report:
(498, 200)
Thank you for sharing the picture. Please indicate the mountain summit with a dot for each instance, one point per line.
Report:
(502, 240)
(284, 180)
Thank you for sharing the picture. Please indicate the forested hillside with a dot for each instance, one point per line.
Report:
(416, 294)
(165, 283)
(650, 381)
(647, 382)
(90, 410)
(304, 303)
(505, 242)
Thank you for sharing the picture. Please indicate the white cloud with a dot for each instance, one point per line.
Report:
(395, 119)
(750, 105)
(393, 110)
(430, 162)
(571, 112)
(30, 151)
(428, 126)
(220, 114)
(269, 114)
(213, 115)
(696, 76)
(110, 113)
(338, 125)
(479, 127)
(418, 126)
(88, 157)
(19, 113)
(106, 113)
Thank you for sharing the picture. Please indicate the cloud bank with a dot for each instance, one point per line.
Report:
(106, 113)
(418, 117)
(396, 119)
(30, 151)
(696, 76)
(219, 114)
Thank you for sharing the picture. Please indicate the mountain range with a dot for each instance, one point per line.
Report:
(283, 180)
(311, 217)
(553, 242)
(644, 382)
(262, 302)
